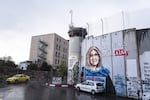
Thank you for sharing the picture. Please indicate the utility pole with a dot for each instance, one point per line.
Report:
(87, 28)
(71, 24)
(123, 20)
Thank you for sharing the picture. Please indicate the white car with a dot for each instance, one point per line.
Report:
(146, 96)
(90, 86)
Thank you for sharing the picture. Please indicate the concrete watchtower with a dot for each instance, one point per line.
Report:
(76, 34)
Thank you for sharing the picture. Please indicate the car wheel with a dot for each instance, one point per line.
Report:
(16, 81)
(93, 92)
(7, 82)
(26, 80)
(78, 89)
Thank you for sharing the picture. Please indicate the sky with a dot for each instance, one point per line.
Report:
(22, 19)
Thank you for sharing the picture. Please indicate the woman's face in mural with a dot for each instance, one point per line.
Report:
(94, 57)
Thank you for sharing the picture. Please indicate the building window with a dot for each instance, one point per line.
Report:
(64, 56)
(55, 61)
(59, 47)
(56, 54)
(56, 46)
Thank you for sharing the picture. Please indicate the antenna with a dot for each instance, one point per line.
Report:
(71, 24)
(87, 28)
(123, 20)
(102, 26)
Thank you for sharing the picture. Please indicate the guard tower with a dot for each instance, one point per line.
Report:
(76, 34)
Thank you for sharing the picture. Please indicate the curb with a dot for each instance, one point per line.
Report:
(60, 85)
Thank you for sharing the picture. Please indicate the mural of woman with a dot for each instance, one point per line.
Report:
(94, 70)
(93, 59)
(94, 62)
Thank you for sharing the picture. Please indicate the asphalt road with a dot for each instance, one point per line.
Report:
(34, 91)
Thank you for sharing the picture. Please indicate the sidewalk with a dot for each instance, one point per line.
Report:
(59, 85)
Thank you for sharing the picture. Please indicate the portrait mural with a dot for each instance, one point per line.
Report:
(94, 69)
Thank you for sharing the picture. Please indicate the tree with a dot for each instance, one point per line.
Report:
(10, 63)
(7, 65)
(32, 67)
(62, 69)
(45, 67)
(7, 61)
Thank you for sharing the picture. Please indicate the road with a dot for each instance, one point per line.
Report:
(34, 91)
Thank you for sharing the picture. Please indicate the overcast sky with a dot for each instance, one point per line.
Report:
(22, 19)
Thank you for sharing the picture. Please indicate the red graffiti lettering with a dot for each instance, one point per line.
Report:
(121, 52)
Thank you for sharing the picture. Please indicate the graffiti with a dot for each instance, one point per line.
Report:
(119, 84)
(146, 71)
(146, 81)
(71, 61)
(133, 87)
(56, 80)
(96, 76)
(75, 72)
(73, 66)
(121, 52)
(93, 69)
(101, 79)
(70, 75)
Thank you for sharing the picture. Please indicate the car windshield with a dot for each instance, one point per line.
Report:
(17, 75)
(99, 84)
(84, 82)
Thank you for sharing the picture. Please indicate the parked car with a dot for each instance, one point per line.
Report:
(90, 86)
(146, 96)
(18, 78)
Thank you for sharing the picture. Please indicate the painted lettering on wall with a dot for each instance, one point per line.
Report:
(56, 80)
(121, 52)
(145, 71)
(71, 64)
(119, 84)
(133, 87)
(146, 81)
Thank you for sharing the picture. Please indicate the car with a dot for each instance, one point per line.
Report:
(18, 78)
(146, 96)
(90, 86)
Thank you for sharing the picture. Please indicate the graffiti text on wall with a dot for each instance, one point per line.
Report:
(121, 52)
(71, 64)
(146, 82)
(119, 84)
(133, 87)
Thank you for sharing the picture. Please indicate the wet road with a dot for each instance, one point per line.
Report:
(35, 91)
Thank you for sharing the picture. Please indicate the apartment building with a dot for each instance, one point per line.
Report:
(51, 48)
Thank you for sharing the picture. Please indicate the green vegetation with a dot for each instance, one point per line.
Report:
(62, 69)
(32, 67)
(35, 70)
(6, 64)
(45, 67)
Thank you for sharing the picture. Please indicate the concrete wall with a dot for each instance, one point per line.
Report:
(143, 40)
(74, 59)
(120, 56)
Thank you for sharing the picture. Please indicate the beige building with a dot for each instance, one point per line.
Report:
(50, 48)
